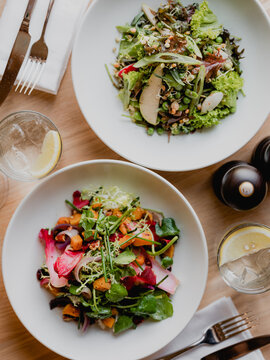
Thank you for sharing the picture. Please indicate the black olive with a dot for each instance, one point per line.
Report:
(261, 157)
(239, 185)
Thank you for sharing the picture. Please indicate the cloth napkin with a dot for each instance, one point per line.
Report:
(219, 310)
(59, 35)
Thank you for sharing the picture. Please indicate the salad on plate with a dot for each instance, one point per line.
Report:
(110, 262)
(177, 69)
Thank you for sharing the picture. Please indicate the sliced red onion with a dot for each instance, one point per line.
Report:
(86, 323)
(44, 281)
(68, 235)
(85, 260)
(86, 292)
(62, 227)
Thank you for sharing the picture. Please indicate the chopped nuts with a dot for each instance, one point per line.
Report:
(94, 245)
(175, 106)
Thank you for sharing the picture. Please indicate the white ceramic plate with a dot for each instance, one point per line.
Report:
(23, 254)
(103, 110)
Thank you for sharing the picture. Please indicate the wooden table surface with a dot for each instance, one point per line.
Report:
(79, 144)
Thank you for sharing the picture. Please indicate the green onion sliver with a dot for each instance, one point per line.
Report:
(166, 247)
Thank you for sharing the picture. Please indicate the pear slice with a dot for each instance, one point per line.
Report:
(149, 99)
(150, 14)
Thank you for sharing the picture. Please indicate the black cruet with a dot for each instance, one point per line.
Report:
(239, 185)
(261, 157)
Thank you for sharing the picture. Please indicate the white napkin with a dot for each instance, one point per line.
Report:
(59, 35)
(220, 309)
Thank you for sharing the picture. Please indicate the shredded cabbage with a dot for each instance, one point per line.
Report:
(111, 198)
(204, 23)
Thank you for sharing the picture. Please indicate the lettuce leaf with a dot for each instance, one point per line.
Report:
(130, 81)
(209, 119)
(204, 24)
(230, 84)
(131, 50)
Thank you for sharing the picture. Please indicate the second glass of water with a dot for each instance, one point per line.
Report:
(244, 258)
(30, 145)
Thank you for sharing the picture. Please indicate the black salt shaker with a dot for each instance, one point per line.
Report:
(261, 157)
(239, 185)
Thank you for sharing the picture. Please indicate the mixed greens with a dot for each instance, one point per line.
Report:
(110, 261)
(177, 69)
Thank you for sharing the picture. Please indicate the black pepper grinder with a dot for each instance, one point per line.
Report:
(239, 185)
(261, 157)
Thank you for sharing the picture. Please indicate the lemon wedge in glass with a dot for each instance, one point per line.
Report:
(49, 156)
(245, 241)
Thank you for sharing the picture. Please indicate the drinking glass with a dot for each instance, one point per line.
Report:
(21, 138)
(250, 272)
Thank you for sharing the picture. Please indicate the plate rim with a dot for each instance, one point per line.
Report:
(121, 153)
(103, 161)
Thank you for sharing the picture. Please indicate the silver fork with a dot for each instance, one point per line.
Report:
(218, 332)
(37, 59)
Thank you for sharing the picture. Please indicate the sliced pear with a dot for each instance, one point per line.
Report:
(150, 14)
(149, 100)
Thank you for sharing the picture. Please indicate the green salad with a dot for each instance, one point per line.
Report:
(177, 69)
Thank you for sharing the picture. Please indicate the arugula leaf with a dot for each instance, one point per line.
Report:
(164, 308)
(87, 222)
(125, 257)
(147, 305)
(167, 228)
(167, 58)
(116, 293)
(204, 23)
(73, 289)
(171, 82)
(123, 323)
(123, 272)
(102, 313)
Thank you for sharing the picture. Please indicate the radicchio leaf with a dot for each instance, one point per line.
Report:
(77, 200)
(51, 256)
(67, 262)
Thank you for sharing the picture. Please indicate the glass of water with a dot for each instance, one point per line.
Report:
(244, 258)
(23, 136)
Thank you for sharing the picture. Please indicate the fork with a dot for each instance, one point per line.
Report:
(218, 332)
(37, 59)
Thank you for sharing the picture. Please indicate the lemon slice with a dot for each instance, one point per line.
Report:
(50, 153)
(243, 242)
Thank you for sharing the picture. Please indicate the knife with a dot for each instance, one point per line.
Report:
(17, 55)
(240, 349)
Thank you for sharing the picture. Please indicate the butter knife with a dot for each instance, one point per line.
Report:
(240, 349)
(17, 54)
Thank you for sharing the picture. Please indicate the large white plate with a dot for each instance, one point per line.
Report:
(23, 254)
(103, 110)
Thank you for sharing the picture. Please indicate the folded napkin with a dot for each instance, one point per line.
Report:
(220, 309)
(59, 35)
